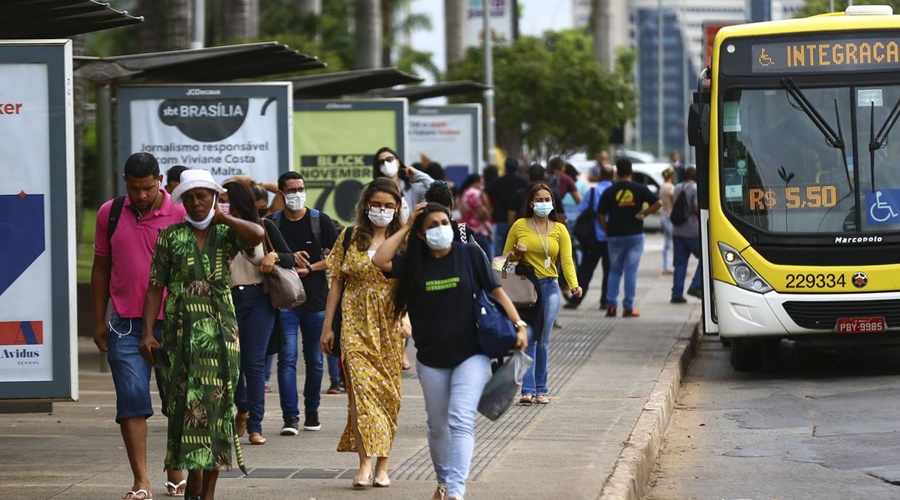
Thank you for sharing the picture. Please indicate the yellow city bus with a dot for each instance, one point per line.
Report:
(799, 182)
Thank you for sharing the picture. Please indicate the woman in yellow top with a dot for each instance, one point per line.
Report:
(537, 240)
(371, 336)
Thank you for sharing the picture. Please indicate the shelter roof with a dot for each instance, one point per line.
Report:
(213, 64)
(47, 19)
(330, 85)
(419, 92)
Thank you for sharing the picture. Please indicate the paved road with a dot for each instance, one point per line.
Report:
(813, 424)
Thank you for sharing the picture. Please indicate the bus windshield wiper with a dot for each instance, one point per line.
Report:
(832, 138)
(877, 142)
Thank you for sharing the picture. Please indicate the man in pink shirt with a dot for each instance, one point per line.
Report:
(121, 272)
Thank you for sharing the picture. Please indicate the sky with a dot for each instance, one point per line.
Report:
(537, 16)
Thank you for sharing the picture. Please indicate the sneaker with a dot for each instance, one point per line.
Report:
(311, 422)
(268, 387)
(678, 300)
(630, 313)
(695, 292)
(290, 426)
(610, 312)
(334, 388)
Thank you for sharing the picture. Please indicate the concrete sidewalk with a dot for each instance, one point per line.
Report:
(612, 383)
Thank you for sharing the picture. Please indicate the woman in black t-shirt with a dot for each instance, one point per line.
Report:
(435, 289)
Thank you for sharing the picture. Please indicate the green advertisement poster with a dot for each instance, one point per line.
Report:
(334, 146)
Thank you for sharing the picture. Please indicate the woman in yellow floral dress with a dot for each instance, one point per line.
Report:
(371, 339)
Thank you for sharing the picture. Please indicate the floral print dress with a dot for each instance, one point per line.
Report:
(371, 349)
(200, 336)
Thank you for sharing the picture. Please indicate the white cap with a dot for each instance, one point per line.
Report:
(193, 179)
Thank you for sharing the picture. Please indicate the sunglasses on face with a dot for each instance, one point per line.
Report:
(386, 159)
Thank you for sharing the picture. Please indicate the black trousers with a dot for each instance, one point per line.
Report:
(590, 256)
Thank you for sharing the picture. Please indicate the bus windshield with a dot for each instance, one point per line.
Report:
(784, 173)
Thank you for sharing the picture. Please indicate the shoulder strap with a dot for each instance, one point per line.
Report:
(467, 257)
(348, 235)
(316, 225)
(114, 213)
(462, 232)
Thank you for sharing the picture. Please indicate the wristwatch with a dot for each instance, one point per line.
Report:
(521, 324)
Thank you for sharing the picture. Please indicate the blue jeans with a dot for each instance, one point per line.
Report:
(624, 257)
(334, 368)
(130, 372)
(501, 230)
(310, 331)
(684, 247)
(666, 224)
(536, 377)
(451, 403)
(255, 318)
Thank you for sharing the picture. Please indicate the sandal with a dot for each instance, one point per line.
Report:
(542, 400)
(176, 489)
(526, 400)
(141, 494)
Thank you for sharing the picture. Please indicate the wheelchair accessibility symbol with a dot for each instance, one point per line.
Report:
(881, 210)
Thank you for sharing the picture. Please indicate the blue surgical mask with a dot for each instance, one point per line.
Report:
(439, 238)
(543, 208)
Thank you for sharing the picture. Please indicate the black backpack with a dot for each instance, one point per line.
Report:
(680, 210)
(585, 231)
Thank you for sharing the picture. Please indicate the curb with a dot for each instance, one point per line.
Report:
(631, 473)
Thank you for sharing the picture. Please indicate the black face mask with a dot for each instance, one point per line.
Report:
(262, 211)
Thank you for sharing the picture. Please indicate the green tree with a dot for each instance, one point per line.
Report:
(551, 97)
(813, 7)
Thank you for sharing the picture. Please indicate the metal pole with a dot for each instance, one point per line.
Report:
(686, 92)
(199, 24)
(830, 5)
(489, 81)
(109, 174)
(659, 82)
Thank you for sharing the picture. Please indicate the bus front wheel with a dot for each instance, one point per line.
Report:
(747, 354)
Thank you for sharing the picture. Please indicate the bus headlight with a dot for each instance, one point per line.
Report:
(743, 274)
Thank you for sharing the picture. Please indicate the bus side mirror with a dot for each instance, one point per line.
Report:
(698, 125)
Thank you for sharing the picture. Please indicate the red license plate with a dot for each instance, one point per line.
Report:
(860, 325)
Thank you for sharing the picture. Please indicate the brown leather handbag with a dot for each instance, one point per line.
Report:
(283, 285)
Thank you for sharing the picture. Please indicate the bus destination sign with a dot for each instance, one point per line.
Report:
(855, 54)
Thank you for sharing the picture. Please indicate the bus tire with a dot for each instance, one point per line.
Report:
(747, 354)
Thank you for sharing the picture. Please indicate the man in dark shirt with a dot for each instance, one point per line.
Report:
(298, 226)
(621, 214)
(501, 191)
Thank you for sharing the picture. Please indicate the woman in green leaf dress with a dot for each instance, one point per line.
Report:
(192, 261)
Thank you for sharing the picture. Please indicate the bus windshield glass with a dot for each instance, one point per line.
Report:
(784, 173)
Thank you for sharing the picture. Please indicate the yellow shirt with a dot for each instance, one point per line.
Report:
(560, 246)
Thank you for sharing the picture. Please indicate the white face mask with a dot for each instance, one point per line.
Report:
(202, 224)
(439, 238)
(225, 208)
(295, 202)
(390, 168)
(379, 218)
(543, 208)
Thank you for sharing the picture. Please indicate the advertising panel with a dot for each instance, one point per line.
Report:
(503, 21)
(449, 135)
(335, 144)
(227, 129)
(38, 354)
